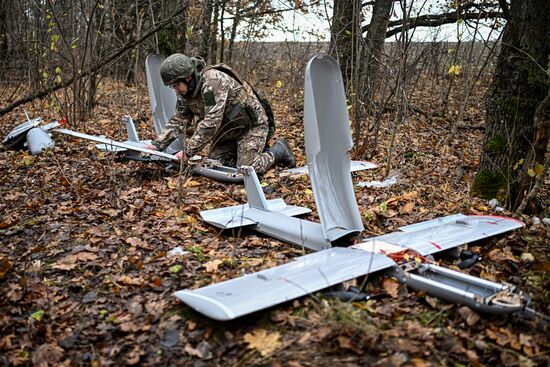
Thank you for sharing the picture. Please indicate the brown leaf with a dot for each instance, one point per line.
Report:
(345, 342)
(322, 333)
(5, 266)
(502, 255)
(390, 286)
(544, 266)
(69, 262)
(503, 337)
(212, 266)
(15, 292)
(192, 351)
(407, 208)
(138, 242)
(263, 342)
(125, 279)
(47, 355)
(471, 317)
(304, 338)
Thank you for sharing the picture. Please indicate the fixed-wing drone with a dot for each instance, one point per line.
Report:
(327, 140)
(163, 102)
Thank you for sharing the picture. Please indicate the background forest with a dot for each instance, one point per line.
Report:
(451, 98)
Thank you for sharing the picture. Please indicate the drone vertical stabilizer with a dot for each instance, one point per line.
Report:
(161, 98)
(328, 140)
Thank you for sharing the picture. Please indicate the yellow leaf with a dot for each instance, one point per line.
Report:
(212, 266)
(538, 169)
(38, 315)
(308, 192)
(455, 70)
(263, 342)
(27, 160)
(279, 84)
(519, 163)
(531, 172)
(192, 183)
(172, 183)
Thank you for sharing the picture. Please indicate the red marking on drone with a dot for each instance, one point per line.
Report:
(435, 244)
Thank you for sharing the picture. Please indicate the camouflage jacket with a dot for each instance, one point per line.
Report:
(220, 110)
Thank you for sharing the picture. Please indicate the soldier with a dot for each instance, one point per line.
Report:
(220, 111)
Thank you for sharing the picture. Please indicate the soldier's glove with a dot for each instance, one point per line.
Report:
(145, 154)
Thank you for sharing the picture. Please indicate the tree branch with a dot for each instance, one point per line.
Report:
(505, 9)
(98, 66)
(438, 20)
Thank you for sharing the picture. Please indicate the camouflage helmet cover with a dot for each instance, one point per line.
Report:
(176, 66)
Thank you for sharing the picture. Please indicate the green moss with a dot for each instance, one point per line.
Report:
(489, 185)
(166, 44)
(409, 155)
(497, 144)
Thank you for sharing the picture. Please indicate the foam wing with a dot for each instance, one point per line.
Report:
(305, 275)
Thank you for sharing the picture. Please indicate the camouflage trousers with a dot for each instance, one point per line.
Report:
(245, 150)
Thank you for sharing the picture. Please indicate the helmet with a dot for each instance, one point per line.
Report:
(176, 66)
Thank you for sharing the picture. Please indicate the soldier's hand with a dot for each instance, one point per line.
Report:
(147, 155)
(182, 156)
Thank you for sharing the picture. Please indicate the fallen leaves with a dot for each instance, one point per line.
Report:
(212, 266)
(125, 279)
(70, 262)
(501, 254)
(391, 286)
(262, 341)
(138, 243)
(471, 317)
(5, 266)
(109, 228)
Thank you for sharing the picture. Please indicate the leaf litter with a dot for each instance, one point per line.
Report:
(87, 278)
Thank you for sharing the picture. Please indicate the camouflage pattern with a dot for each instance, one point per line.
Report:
(225, 115)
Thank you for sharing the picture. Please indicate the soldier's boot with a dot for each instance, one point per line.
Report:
(282, 153)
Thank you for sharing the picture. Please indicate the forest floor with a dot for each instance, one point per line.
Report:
(86, 279)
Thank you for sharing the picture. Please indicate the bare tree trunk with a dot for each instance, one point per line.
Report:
(519, 85)
(374, 47)
(341, 41)
(536, 156)
(214, 39)
(402, 103)
(205, 27)
(236, 21)
(222, 33)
